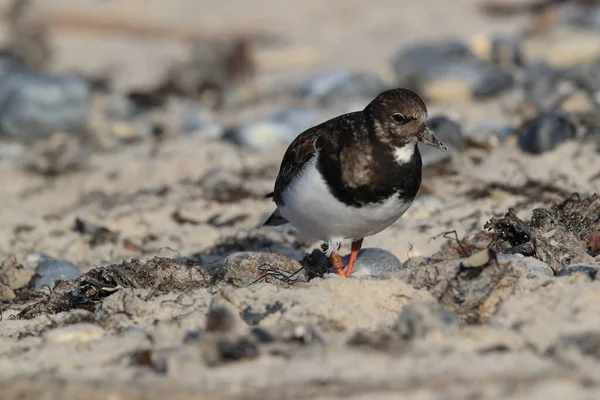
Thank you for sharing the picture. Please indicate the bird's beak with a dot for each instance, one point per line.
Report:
(427, 137)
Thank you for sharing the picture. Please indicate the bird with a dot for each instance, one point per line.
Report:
(354, 175)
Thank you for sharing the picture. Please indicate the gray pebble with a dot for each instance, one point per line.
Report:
(119, 107)
(48, 271)
(545, 133)
(537, 268)
(493, 82)
(589, 270)
(34, 106)
(276, 130)
(373, 262)
(418, 319)
(410, 63)
(340, 87)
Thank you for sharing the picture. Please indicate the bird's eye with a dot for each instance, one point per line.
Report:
(399, 118)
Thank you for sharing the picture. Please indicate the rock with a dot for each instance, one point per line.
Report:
(276, 130)
(83, 332)
(545, 133)
(243, 268)
(409, 63)
(493, 82)
(13, 152)
(418, 319)
(16, 277)
(537, 268)
(340, 87)
(196, 121)
(37, 105)
(6, 293)
(48, 271)
(590, 271)
(374, 262)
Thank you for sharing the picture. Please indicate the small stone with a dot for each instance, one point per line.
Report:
(409, 63)
(590, 271)
(223, 186)
(479, 259)
(83, 332)
(493, 82)
(6, 293)
(275, 130)
(16, 278)
(340, 87)
(373, 262)
(418, 319)
(537, 268)
(51, 270)
(545, 133)
(38, 105)
(243, 268)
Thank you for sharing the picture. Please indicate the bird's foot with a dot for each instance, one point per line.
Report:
(337, 263)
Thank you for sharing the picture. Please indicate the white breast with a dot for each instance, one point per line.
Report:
(316, 213)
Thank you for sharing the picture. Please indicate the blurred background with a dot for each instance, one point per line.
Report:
(131, 126)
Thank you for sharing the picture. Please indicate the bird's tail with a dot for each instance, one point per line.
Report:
(275, 219)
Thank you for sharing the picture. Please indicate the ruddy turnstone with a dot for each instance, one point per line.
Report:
(354, 175)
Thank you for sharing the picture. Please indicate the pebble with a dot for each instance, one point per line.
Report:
(6, 293)
(545, 133)
(48, 271)
(243, 268)
(276, 130)
(493, 82)
(35, 258)
(409, 63)
(374, 262)
(119, 107)
(418, 319)
(195, 121)
(537, 268)
(339, 87)
(37, 105)
(16, 278)
(588, 270)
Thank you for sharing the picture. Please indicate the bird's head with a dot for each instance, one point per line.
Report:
(399, 117)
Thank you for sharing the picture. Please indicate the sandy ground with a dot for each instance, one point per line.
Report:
(506, 333)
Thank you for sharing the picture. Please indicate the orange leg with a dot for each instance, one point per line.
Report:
(337, 263)
(355, 249)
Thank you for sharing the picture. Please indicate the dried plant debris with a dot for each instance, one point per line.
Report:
(560, 236)
(531, 189)
(158, 273)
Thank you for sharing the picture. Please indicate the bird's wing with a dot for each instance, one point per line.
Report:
(297, 155)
